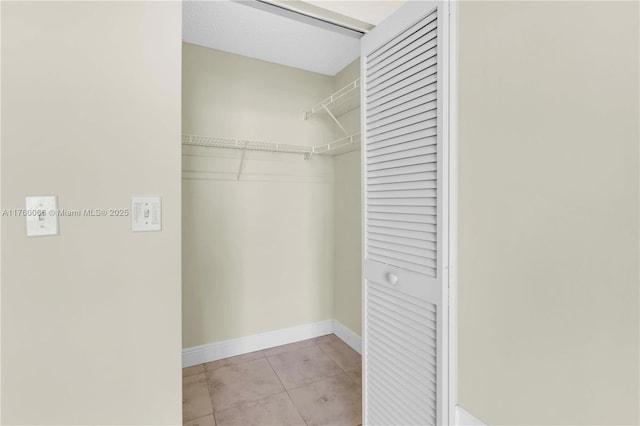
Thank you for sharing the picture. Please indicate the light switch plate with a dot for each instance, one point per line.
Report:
(146, 213)
(42, 216)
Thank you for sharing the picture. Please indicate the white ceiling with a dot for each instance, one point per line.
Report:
(237, 28)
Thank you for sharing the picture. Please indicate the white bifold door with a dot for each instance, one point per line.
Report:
(405, 217)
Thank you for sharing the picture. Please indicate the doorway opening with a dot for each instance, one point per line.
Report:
(315, 212)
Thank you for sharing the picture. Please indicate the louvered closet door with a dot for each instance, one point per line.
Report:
(403, 203)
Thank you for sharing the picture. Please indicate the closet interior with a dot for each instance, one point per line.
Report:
(270, 182)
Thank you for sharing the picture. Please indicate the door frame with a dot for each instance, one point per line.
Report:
(450, 195)
(452, 165)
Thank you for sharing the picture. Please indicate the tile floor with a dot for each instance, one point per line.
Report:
(313, 382)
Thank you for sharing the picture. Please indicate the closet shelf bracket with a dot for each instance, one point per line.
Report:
(335, 119)
(244, 151)
(338, 103)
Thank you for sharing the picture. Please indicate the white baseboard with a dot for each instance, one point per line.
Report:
(242, 345)
(348, 336)
(465, 418)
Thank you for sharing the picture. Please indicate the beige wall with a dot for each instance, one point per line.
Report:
(90, 112)
(548, 205)
(258, 253)
(347, 280)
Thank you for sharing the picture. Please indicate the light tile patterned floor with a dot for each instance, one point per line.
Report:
(313, 382)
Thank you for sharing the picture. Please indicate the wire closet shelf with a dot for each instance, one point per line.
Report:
(338, 103)
(340, 146)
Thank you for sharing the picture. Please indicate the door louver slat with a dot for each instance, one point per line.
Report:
(425, 58)
(424, 54)
(404, 90)
(408, 241)
(409, 137)
(425, 350)
(402, 206)
(400, 209)
(416, 117)
(418, 108)
(389, 311)
(409, 405)
(403, 217)
(387, 320)
(405, 378)
(404, 193)
(428, 235)
(397, 202)
(422, 159)
(407, 177)
(411, 354)
(428, 228)
(394, 359)
(402, 186)
(425, 376)
(425, 94)
(403, 153)
(396, 83)
(424, 37)
(403, 248)
(429, 309)
(403, 171)
(391, 133)
(400, 40)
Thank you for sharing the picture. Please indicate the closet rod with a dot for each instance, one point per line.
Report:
(308, 18)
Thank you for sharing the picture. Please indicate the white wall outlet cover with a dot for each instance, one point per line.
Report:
(42, 216)
(146, 213)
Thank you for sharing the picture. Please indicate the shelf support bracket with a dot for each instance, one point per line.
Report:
(241, 162)
(335, 119)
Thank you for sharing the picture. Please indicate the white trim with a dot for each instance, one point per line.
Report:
(453, 212)
(242, 345)
(465, 418)
(348, 336)
(363, 238)
(448, 202)
(1, 234)
(226, 348)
